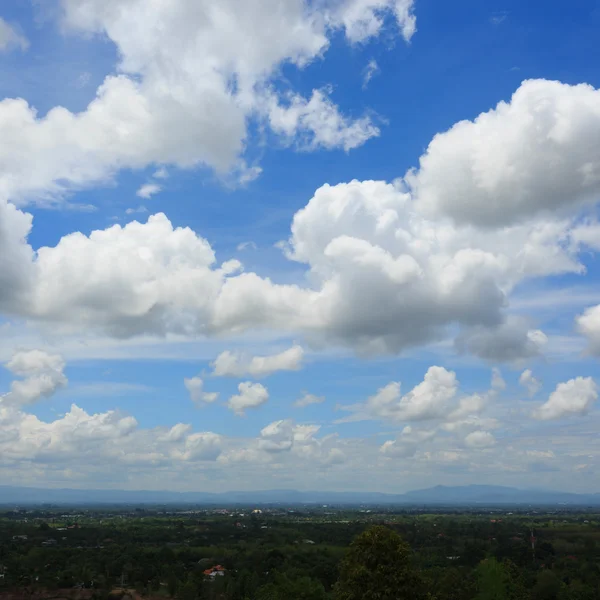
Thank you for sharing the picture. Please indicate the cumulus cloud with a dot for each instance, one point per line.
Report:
(575, 397)
(308, 400)
(189, 81)
(42, 376)
(317, 123)
(493, 171)
(148, 190)
(236, 364)
(10, 38)
(82, 438)
(382, 279)
(428, 400)
(277, 436)
(363, 19)
(530, 383)
(91, 440)
(251, 395)
(195, 387)
(480, 439)
(285, 438)
(588, 324)
(380, 276)
(407, 443)
(510, 341)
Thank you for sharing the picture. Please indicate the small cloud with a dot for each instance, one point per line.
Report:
(308, 399)
(246, 246)
(369, 72)
(83, 80)
(140, 209)
(498, 382)
(77, 207)
(161, 173)
(251, 395)
(148, 190)
(11, 38)
(530, 383)
(480, 439)
(195, 387)
(499, 17)
(249, 174)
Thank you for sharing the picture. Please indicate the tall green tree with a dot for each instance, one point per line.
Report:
(378, 567)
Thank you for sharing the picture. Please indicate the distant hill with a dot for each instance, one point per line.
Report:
(470, 495)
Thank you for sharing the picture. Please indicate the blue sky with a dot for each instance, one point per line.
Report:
(466, 244)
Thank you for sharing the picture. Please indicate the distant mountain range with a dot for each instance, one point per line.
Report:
(470, 495)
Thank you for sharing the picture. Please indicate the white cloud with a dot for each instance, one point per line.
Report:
(480, 439)
(369, 72)
(251, 395)
(588, 324)
(365, 249)
(380, 277)
(308, 399)
(11, 38)
(277, 436)
(428, 400)
(139, 210)
(189, 82)
(195, 387)
(246, 246)
(42, 375)
(91, 441)
(494, 170)
(148, 190)
(407, 443)
(530, 383)
(236, 364)
(161, 173)
(575, 397)
(363, 19)
(317, 123)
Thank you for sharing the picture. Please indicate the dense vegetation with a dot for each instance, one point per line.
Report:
(302, 554)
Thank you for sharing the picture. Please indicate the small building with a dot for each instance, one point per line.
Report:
(214, 572)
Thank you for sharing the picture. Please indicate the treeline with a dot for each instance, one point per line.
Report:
(261, 558)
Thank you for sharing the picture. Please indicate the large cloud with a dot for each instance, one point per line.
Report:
(191, 75)
(537, 153)
(380, 276)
